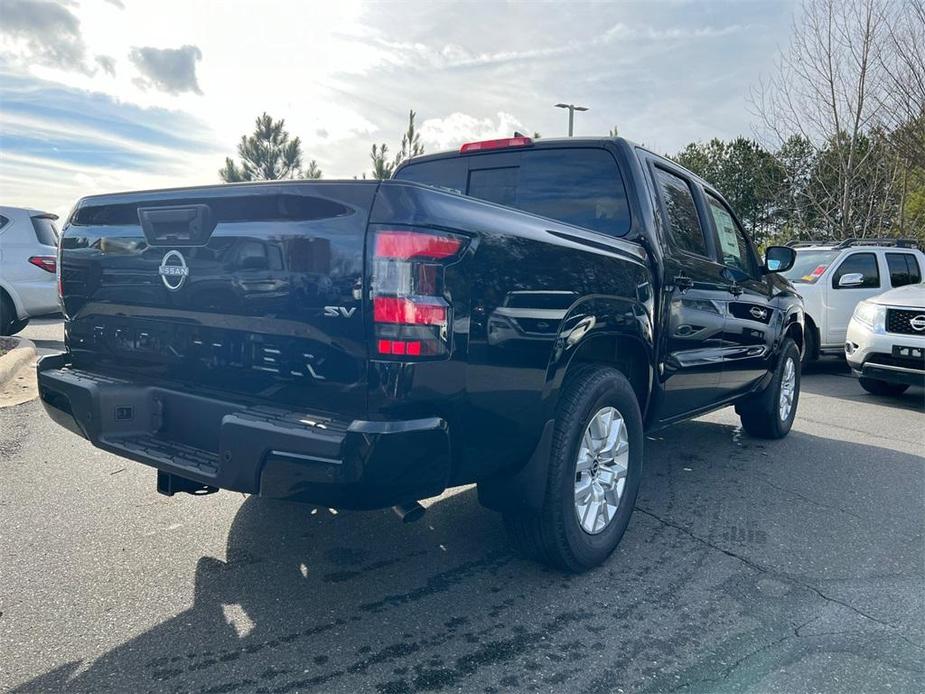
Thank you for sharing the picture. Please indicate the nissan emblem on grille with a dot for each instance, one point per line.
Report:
(173, 270)
(918, 322)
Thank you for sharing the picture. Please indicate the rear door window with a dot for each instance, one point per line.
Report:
(45, 231)
(684, 229)
(447, 174)
(863, 263)
(581, 186)
(904, 269)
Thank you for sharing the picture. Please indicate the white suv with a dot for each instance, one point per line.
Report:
(28, 263)
(886, 341)
(832, 279)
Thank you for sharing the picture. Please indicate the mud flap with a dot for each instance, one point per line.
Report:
(524, 489)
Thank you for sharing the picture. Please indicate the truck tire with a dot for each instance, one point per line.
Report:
(875, 386)
(770, 414)
(595, 466)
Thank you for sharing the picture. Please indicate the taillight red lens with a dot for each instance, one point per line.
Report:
(390, 309)
(47, 262)
(408, 245)
(503, 143)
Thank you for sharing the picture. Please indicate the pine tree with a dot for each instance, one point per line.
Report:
(312, 171)
(410, 147)
(268, 155)
(382, 168)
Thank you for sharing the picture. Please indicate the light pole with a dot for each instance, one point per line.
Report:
(571, 115)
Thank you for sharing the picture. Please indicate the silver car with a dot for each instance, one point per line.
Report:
(28, 264)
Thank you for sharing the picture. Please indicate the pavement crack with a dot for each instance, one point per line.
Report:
(803, 497)
(727, 671)
(729, 553)
(782, 576)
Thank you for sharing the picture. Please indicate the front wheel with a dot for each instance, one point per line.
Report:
(594, 471)
(875, 386)
(770, 414)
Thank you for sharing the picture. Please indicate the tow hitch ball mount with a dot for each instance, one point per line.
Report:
(168, 485)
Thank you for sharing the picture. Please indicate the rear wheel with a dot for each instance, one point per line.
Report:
(594, 471)
(770, 414)
(877, 387)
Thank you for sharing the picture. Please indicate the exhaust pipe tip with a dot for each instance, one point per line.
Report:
(409, 512)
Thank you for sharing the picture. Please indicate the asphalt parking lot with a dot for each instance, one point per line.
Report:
(789, 566)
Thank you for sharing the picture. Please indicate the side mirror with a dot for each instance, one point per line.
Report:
(851, 279)
(779, 259)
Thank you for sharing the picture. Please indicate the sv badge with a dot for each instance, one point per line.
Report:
(339, 311)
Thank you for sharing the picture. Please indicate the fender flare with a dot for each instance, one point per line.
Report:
(586, 326)
(14, 297)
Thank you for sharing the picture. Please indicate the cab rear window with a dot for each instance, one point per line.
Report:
(580, 186)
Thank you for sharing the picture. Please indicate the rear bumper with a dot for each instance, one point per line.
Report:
(262, 450)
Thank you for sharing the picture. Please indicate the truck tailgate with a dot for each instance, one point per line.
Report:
(254, 290)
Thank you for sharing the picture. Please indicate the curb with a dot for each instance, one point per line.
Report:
(10, 363)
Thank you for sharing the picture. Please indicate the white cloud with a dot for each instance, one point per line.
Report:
(85, 136)
(172, 70)
(457, 128)
(637, 32)
(43, 32)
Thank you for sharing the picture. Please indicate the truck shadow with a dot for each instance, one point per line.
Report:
(309, 599)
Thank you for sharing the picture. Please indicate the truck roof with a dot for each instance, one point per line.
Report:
(554, 143)
(538, 143)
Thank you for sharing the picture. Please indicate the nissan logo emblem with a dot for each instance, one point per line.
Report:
(918, 322)
(173, 270)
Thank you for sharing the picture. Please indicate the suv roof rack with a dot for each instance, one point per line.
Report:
(848, 243)
(803, 243)
(897, 243)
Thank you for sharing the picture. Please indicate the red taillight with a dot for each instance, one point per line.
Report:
(503, 143)
(410, 347)
(391, 309)
(411, 313)
(407, 245)
(47, 262)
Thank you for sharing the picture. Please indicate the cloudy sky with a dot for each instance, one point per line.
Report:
(104, 95)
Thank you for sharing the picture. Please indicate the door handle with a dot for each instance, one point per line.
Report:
(683, 283)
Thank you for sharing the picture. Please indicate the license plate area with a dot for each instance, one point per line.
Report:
(904, 352)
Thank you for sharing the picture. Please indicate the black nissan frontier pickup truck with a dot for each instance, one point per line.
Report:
(515, 314)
